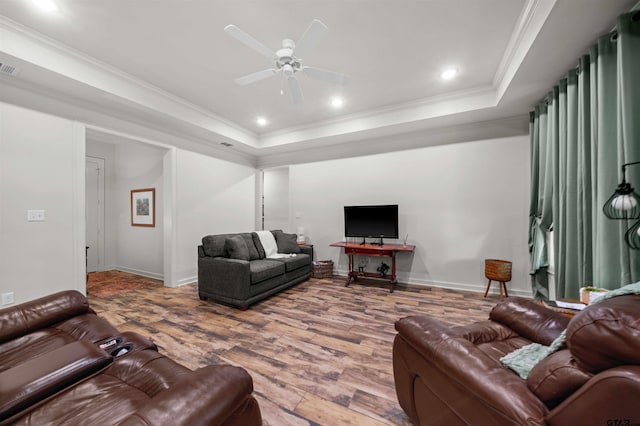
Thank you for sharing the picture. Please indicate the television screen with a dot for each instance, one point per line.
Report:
(371, 221)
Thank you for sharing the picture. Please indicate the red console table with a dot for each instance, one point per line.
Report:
(385, 250)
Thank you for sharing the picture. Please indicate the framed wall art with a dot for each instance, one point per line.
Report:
(143, 207)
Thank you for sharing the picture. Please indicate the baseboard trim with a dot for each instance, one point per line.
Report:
(494, 290)
(184, 281)
(181, 282)
(139, 272)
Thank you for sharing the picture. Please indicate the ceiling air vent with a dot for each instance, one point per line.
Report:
(9, 69)
(225, 144)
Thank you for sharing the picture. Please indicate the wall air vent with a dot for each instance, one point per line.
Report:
(8, 69)
(225, 144)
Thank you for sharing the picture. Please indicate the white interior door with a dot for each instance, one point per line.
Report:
(94, 185)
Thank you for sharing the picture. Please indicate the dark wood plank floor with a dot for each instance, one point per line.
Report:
(319, 353)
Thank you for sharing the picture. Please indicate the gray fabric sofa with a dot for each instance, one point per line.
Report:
(232, 268)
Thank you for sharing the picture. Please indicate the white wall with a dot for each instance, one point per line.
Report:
(212, 197)
(459, 203)
(276, 199)
(41, 167)
(139, 249)
(106, 151)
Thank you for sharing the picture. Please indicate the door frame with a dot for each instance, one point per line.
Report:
(101, 210)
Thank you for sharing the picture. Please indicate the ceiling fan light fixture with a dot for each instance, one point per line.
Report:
(448, 74)
(287, 70)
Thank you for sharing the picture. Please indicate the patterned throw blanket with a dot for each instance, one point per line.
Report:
(524, 359)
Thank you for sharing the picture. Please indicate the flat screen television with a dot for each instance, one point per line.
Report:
(371, 221)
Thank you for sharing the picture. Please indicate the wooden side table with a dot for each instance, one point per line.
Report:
(385, 250)
(567, 312)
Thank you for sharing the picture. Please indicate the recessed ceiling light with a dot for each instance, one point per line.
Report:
(337, 102)
(46, 5)
(449, 73)
(261, 121)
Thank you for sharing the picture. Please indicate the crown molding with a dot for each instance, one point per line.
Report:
(475, 131)
(148, 104)
(105, 121)
(391, 115)
(30, 46)
(534, 14)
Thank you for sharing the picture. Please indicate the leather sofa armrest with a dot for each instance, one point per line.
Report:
(215, 394)
(484, 332)
(529, 319)
(37, 378)
(16, 321)
(476, 375)
(307, 250)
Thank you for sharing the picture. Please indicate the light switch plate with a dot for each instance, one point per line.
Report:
(35, 215)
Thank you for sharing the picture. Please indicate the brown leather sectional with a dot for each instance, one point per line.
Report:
(452, 375)
(62, 364)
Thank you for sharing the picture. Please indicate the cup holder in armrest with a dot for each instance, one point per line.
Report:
(125, 343)
(108, 344)
(121, 350)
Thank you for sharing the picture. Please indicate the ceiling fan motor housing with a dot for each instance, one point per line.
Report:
(288, 63)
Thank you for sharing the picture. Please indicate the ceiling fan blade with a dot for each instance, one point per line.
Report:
(325, 75)
(294, 90)
(256, 76)
(310, 38)
(249, 41)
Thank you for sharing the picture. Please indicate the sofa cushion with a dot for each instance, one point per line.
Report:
(606, 334)
(251, 246)
(263, 269)
(40, 377)
(298, 261)
(236, 248)
(529, 319)
(258, 244)
(18, 319)
(286, 242)
(556, 377)
(213, 245)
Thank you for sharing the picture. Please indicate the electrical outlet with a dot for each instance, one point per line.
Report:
(8, 298)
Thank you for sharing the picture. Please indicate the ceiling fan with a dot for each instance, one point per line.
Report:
(288, 59)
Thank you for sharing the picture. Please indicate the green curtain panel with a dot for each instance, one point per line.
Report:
(581, 134)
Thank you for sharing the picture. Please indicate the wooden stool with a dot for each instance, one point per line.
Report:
(497, 270)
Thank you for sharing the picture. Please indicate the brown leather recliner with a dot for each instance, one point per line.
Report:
(453, 375)
(62, 364)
